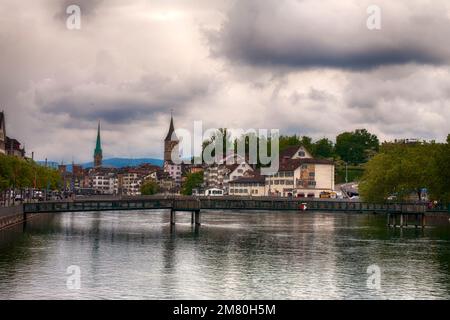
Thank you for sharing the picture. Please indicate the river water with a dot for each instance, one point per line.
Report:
(233, 255)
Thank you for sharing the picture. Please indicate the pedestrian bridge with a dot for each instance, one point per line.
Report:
(196, 204)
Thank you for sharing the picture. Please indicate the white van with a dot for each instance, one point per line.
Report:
(214, 192)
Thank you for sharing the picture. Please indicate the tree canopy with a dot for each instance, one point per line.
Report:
(149, 188)
(19, 173)
(401, 169)
(193, 180)
(356, 147)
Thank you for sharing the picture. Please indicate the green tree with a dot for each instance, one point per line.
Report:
(356, 147)
(400, 170)
(193, 180)
(323, 148)
(19, 173)
(149, 188)
(440, 182)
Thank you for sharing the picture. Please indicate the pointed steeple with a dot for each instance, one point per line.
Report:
(171, 129)
(98, 153)
(98, 146)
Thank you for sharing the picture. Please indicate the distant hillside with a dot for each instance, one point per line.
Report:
(113, 163)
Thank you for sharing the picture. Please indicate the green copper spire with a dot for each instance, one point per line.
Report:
(98, 146)
(98, 154)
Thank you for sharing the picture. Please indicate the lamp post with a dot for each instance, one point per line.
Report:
(346, 165)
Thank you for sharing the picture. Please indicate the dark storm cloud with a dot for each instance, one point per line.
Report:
(301, 34)
(115, 103)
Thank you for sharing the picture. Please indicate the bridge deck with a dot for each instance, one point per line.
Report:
(222, 203)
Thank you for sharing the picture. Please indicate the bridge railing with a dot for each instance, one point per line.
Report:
(224, 203)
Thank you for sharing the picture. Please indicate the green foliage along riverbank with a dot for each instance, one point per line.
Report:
(16, 173)
(401, 169)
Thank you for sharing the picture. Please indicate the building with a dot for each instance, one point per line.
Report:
(129, 182)
(9, 146)
(219, 175)
(254, 186)
(2, 133)
(170, 147)
(98, 153)
(104, 181)
(14, 148)
(170, 142)
(300, 175)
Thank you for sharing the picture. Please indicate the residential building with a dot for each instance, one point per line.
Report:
(219, 175)
(300, 175)
(14, 148)
(130, 182)
(105, 181)
(247, 186)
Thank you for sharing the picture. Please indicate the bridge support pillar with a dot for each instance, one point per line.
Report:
(197, 217)
(172, 217)
(192, 217)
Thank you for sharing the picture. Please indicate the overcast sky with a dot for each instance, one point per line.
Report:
(303, 66)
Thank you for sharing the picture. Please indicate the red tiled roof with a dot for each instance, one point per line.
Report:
(292, 164)
(255, 179)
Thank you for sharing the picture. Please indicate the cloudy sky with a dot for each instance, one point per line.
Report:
(304, 66)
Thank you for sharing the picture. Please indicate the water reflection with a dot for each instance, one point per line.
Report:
(285, 255)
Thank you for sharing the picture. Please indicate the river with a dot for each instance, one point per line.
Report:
(233, 255)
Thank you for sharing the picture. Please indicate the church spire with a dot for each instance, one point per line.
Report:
(98, 153)
(171, 129)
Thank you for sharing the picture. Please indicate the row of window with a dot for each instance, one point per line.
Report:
(280, 182)
(283, 174)
(248, 185)
(253, 191)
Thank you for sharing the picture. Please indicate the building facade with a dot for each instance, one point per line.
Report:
(300, 175)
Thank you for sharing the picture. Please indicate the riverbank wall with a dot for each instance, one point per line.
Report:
(10, 216)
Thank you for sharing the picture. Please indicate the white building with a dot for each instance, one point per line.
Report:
(105, 183)
(174, 171)
(300, 175)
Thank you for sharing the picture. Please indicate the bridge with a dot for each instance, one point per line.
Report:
(403, 212)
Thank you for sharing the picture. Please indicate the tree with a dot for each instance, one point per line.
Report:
(356, 147)
(149, 188)
(400, 170)
(193, 180)
(323, 148)
(439, 184)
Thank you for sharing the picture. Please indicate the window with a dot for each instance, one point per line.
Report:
(312, 174)
(301, 153)
(240, 171)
